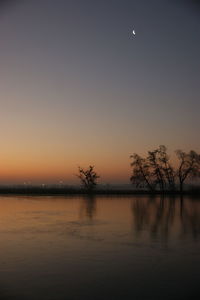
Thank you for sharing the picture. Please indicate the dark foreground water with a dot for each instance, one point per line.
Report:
(130, 247)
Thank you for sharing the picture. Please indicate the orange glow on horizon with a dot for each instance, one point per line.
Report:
(38, 170)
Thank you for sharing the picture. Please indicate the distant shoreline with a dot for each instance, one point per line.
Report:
(78, 191)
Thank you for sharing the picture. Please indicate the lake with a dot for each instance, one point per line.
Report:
(100, 247)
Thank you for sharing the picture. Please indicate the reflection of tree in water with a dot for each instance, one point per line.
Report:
(141, 213)
(88, 207)
(160, 216)
(190, 217)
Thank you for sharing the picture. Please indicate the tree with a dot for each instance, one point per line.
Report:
(88, 178)
(156, 169)
(141, 172)
(189, 166)
(166, 167)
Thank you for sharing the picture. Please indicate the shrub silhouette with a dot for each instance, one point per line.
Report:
(88, 178)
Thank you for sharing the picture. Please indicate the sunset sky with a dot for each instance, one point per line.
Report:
(78, 88)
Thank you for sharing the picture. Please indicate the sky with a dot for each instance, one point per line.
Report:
(78, 88)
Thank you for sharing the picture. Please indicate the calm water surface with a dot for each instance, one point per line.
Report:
(131, 247)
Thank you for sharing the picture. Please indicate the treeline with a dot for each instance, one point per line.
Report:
(154, 172)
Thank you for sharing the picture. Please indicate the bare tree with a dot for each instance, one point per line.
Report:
(189, 166)
(166, 167)
(88, 178)
(156, 169)
(141, 172)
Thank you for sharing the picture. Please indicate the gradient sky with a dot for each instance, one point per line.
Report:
(77, 88)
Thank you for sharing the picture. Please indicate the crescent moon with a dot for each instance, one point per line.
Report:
(133, 32)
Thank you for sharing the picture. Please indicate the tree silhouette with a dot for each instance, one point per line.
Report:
(88, 178)
(141, 172)
(156, 170)
(166, 167)
(189, 166)
(162, 171)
